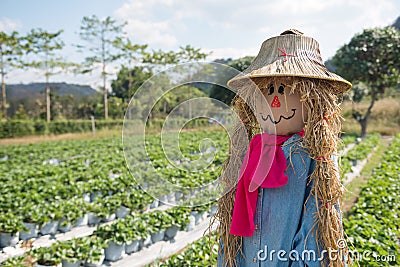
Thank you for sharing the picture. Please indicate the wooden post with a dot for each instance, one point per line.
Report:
(48, 115)
(93, 126)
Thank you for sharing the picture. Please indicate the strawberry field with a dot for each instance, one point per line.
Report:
(52, 189)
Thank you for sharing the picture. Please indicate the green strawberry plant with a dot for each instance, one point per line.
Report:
(11, 223)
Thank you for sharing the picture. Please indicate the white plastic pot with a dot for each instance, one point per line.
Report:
(194, 192)
(163, 199)
(108, 218)
(86, 197)
(171, 198)
(178, 196)
(82, 221)
(154, 204)
(203, 216)
(213, 210)
(171, 232)
(114, 252)
(192, 223)
(157, 236)
(93, 218)
(32, 232)
(64, 228)
(197, 217)
(8, 239)
(145, 242)
(132, 247)
(94, 195)
(49, 228)
(122, 212)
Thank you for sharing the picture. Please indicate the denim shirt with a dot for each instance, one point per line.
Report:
(284, 234)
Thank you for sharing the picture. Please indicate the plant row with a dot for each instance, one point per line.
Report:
(112, 241)
(202, 252)
(361, 151)
(347, 140)
(63, 181)
(373, 226)
(61, 216)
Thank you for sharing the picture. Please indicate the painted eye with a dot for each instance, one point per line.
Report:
(281, 89)
(271, 89)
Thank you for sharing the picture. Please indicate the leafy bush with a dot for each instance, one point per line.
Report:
(16, 128)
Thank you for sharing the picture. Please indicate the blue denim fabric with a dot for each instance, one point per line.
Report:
(282, 220)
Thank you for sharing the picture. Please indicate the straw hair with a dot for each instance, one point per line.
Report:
(321, 138)
(290, 54)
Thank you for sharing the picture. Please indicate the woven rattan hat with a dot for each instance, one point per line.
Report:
(290, 54)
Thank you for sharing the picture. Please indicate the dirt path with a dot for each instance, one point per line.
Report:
(354, 187)
(68, 136)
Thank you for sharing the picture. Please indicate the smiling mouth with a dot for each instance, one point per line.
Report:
(280, 118)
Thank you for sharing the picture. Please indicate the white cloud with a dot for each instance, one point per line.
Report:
(154, 33)
(168, 24)
(9, 25)
(144, 25)
(235, 28)
(371, 14)
(230, 52)
(161, 23)
(305, 7)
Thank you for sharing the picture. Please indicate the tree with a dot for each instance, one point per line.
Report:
(10, 51)
(44, 45)
(372, 58)
(221, 92)
(155, 59)
(101, 36)
(396, 24)
(185, 54)
(131, 54)
(129, 80)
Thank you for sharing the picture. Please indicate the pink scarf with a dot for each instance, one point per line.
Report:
(264, 165)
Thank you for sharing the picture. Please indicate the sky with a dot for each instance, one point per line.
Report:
(224, 28)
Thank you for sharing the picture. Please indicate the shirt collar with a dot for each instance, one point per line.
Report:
(287, 146)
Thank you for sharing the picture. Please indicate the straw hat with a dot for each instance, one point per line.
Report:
(290, 54)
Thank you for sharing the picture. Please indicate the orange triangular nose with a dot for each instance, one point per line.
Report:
(275, 103)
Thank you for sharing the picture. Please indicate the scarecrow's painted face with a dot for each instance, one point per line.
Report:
(281, 111)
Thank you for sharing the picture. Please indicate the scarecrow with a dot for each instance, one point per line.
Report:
(281, 206)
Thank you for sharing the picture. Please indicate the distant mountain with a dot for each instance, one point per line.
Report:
(35, 90)
(396, 24)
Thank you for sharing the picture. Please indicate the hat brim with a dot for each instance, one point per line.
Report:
(340, 86)
(293, 67)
